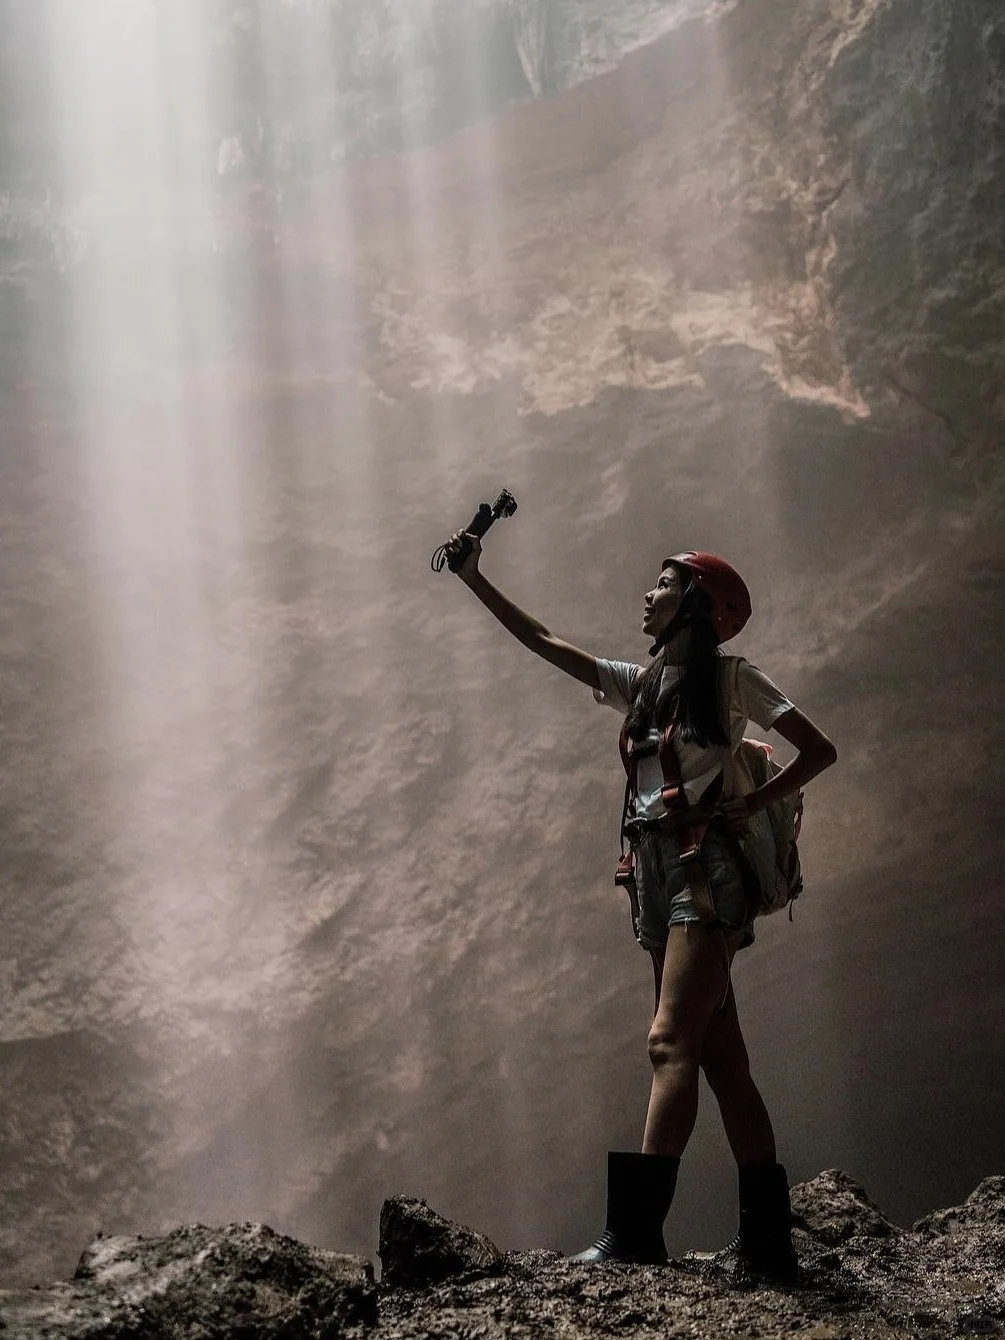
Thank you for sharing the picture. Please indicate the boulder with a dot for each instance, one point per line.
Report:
(983, 1209)
(201, 1283)
(833, 1208)
(420, 1247)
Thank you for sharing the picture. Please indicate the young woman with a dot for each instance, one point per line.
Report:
(692, 914)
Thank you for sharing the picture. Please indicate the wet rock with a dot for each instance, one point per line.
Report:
(418, 1246)
(833, 1207)
(984, 1208)
(201, 1284)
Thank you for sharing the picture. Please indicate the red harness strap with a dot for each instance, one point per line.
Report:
(625, 873)
(690, 831)
(689, 821)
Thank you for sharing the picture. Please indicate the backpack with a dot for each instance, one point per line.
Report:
(769, 848)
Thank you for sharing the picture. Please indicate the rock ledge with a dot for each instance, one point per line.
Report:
(860, 1276)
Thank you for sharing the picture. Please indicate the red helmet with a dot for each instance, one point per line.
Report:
(723, 585)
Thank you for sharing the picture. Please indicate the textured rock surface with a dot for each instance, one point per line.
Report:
(201, 1284)
(762, 200)
(982, 1211)
(833, 1208)
(894, 1287)
(860, 1276)
(397, 71)
(418, 1246)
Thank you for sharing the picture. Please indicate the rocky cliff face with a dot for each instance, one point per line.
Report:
(787, 181)
(860, 1275)
(396, 74)
(293, 836)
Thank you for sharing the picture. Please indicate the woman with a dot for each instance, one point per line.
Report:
(692, 915)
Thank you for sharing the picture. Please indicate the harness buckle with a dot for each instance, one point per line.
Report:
(624, 876)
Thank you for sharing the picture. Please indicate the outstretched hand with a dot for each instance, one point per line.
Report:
(454, 545)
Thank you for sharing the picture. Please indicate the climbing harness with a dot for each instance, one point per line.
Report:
(768, 857)
(689, 822)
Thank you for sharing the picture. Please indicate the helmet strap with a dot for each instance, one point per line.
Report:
(676, 625)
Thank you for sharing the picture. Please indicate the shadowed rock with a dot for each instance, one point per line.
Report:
(201, 1284)
(984, 1208)
(860, 1276)
(833, 1208)
(418, 1246)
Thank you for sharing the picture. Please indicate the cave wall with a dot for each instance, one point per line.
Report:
(666, 303)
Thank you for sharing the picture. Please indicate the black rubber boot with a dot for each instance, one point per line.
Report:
(765, 1238)
(640, 1189)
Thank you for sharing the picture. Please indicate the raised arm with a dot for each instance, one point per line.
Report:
(524, 628)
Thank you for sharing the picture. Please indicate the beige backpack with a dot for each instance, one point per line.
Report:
(770, 846)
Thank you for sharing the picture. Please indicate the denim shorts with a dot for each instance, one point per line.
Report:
(664, 898)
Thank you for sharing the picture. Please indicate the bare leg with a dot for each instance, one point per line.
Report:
(727, 1068)
(695, 978)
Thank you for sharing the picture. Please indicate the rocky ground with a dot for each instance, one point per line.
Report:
(860, 1276)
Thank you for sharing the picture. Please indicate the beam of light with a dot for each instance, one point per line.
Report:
(317, 263)
(163, 489)
(475, 253)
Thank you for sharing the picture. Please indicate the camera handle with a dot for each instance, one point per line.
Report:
(504, 505)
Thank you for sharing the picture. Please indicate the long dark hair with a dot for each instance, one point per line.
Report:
(697, 693)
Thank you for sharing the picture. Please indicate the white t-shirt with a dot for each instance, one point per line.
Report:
(756, 699)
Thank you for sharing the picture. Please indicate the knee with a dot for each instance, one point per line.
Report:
(669, 1045)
